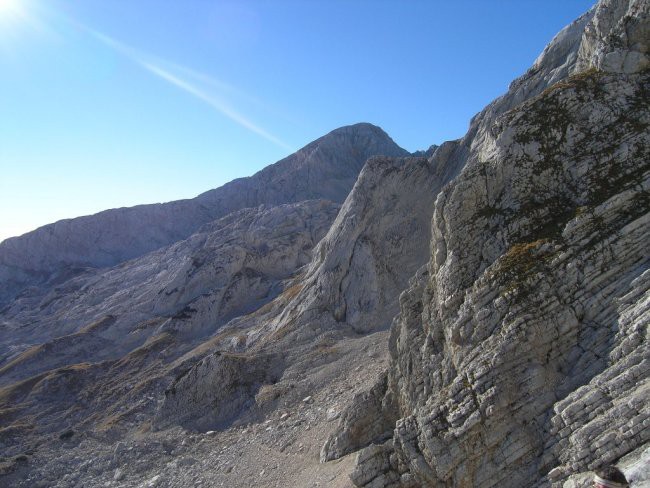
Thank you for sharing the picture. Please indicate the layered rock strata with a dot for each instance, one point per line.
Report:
(520, 355)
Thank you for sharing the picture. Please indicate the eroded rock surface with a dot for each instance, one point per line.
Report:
(520, 355)
(230, 267)
(324, 169)
(217, 389)
(513, 264)
(378, 240)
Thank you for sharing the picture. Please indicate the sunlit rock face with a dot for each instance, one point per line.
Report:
(506, 274)
(147, 335)
(378, 240)
(520, 354)
(324, 169)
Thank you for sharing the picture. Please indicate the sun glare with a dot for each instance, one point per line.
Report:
(15, 18)
(8, 6)
(10, 12)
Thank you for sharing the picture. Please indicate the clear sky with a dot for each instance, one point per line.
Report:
(110, 103)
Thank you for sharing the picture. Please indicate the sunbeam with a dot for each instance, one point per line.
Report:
(177, 75)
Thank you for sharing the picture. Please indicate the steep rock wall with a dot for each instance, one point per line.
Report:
(520, 356)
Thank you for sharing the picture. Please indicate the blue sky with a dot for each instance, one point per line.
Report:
(109, 103)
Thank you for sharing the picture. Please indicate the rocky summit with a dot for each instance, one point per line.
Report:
(354, 315)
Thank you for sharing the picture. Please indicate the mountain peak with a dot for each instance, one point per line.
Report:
(361, 127)
(364, 135)
(324, 169)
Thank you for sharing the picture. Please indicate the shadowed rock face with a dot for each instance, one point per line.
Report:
(520, 353)
(378, 240)
(324, 169)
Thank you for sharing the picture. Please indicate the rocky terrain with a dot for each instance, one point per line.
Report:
(472, 315)
(325, 169)
(520, 354)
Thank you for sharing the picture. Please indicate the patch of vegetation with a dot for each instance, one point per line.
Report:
(581, 210)
(615, 180)
(582, 80)
(147, 324)
(154, 343)
(488, 212)
(99, 325)
(521, 259)
(521, 262)
(291, 292)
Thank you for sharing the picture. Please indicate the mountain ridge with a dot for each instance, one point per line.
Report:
(474, 317)
(115, 235)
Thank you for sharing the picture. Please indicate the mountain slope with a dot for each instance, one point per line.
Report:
(135, 321)
(515, 258)
(326, 169)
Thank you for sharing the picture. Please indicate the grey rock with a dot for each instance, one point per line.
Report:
(618, 37)
(216, 390)
(118, 475)
(324, 169)
(367, 420)
(521, 352)
(189, 289)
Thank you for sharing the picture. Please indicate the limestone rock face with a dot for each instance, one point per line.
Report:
(520, 355)
(217, 389)
(324, 169)
(189, 289)
(378, 240)
(529, 352)
(618, 37)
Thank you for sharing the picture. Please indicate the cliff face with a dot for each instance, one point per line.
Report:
(520, 354)
(513, 264)
(324, 169)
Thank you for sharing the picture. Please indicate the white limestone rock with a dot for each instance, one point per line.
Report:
(189, 289)
(618, 37)
(520, 357)
(324, 169)
(378, 240)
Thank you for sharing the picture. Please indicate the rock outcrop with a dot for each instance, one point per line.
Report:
(520, 355)
(324, 169)
(217, 389)
(378, 240)
(507, 275)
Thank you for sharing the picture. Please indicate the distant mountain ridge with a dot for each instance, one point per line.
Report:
(324, 169)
